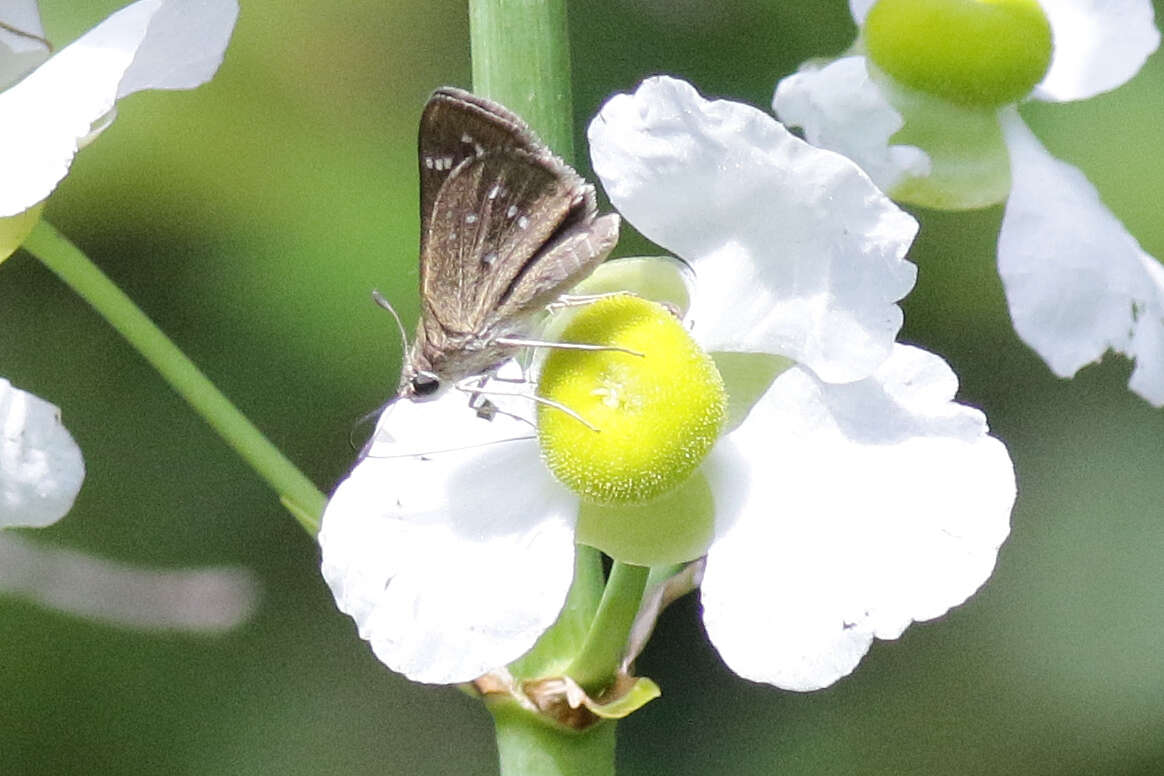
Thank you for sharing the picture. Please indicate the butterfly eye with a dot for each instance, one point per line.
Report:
(425, 385)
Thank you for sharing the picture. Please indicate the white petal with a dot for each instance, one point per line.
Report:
(794, 250)
(859, 9)
(185, 45)
(452, 562)
(199, 600)
(1099, 45)
(848, 512)
(840, 108)
(40, 465)
(1077, 282)
(49, 112)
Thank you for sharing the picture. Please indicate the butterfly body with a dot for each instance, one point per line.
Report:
(506, 228)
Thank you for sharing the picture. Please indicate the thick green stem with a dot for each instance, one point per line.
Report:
(296, 492)
(530, 746)
(521, 59)
(595, 666)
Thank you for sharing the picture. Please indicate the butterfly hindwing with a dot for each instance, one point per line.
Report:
(577, 249)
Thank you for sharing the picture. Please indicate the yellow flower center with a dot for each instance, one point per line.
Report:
(983, 53)
(645, 418)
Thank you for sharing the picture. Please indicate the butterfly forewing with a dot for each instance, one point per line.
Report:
(455, 126)
(506, 227)
(490, 223)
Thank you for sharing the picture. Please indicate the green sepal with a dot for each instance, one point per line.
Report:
(969, 162)
(673, 528)
(13, 229)
(659, 279)
(747, 377)
(641, 692)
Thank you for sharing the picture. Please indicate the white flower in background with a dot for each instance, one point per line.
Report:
(40, 475)
(51, 104)
(927, 102)
(40, 465)
(844, 496)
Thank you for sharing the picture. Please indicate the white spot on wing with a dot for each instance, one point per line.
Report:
(470, 218)
(489, 258)
(511, 212)
(493, 192)
(428, 162)
(522, 222)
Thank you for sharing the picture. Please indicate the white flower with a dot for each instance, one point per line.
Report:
(1078, 284)
(40, 465)
(851, 494)
(41, 471)
(51, 105)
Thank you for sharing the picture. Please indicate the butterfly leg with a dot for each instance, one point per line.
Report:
(520, 342)
(581, 300)
(566, 301)
(475, 386)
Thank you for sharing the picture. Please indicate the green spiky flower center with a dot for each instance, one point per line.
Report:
(984, 53)
(634, 425)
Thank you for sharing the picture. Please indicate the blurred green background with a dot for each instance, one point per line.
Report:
(251, 219)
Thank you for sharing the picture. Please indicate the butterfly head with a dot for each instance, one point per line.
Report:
(418, 382)
(423, 385)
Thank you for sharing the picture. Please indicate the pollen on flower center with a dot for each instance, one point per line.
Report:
(657, 409)
(983, 53)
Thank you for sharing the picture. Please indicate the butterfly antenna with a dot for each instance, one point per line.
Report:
(362, 421)
(379, 299)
